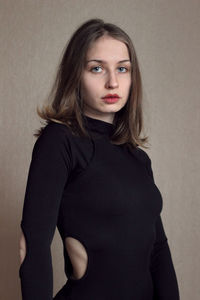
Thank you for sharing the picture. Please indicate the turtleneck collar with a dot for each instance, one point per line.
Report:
(98, 126)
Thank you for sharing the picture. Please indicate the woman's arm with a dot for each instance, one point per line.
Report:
(48, 173)
(161, 265)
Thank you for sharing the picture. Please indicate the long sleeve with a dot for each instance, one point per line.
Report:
(161, 265)
(48, 173)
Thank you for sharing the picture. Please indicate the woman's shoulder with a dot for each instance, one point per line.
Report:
(53, 136)
(58, 137)
(142, 155)
(57, 126)
(55, 131)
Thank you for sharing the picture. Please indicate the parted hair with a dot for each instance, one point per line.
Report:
(64, 103)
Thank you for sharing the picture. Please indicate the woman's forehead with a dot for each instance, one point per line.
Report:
(108, 49)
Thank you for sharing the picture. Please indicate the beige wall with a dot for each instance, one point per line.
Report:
(166, 37)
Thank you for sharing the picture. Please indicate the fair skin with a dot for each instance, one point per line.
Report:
(111, 76)
(107, 76)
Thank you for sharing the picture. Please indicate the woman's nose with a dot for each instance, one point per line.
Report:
(112, 81)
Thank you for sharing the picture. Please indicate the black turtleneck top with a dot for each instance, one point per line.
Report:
(103, 195)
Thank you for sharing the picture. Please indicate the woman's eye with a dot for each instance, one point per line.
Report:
(124, 69)
(95, 68)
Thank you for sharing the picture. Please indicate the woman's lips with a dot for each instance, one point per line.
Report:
(111, 100)
(111, 96)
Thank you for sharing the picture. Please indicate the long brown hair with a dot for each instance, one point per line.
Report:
(64, 100)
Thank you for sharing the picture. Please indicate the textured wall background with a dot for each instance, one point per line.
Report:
(167, 41)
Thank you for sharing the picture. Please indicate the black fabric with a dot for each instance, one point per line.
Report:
(104, 196)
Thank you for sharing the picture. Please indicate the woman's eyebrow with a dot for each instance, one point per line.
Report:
(103, 61)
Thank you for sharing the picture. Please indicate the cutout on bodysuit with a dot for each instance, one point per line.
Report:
(79, 259)
(22, 246)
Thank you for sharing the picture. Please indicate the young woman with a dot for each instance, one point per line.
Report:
(89, 178)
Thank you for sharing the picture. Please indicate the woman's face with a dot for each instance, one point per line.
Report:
(107, 71)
